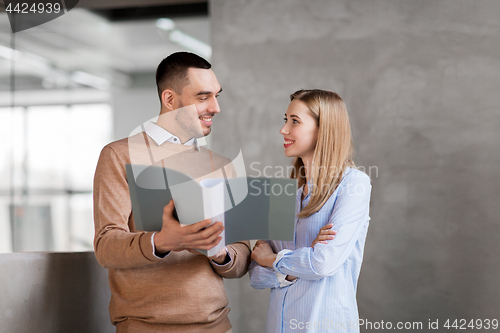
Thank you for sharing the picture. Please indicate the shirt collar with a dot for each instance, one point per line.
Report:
(161, 135)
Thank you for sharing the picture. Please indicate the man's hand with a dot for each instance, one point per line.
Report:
(174, 237)
(324, 235)
(263, 254)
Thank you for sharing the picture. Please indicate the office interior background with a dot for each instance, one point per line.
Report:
(420, 80)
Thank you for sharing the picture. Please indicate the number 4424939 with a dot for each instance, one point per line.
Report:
(25, 8)
(462, 324)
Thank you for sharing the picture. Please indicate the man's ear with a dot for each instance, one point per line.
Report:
(168, 97)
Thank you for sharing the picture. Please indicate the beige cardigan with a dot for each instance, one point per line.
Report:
(182, 292)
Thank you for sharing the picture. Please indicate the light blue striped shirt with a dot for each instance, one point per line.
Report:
(323, 298)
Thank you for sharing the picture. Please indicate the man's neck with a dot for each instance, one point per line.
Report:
(167, 121)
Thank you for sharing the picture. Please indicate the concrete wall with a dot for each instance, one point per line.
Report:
(134, 104)
(53, 293)
(421, 81)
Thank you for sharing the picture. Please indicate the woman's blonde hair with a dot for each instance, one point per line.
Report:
(334, 149)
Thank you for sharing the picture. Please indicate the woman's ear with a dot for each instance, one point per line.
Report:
(167, 99)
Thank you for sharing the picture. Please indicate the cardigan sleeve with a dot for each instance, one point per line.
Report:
(114, 244)
(239, 253)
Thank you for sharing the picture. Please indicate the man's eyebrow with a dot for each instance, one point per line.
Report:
(202, 93)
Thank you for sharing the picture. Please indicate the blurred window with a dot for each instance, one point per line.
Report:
(48, 157)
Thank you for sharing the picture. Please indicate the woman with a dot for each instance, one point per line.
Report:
(313, 279)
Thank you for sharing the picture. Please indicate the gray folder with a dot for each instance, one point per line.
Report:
(255, 208)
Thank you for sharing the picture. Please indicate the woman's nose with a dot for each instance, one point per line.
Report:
(284, 130)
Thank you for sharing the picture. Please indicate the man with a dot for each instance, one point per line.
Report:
(158, 283)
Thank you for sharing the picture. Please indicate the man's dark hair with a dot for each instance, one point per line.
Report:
(172, 72)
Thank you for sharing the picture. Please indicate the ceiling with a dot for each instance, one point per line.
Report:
(113, 44)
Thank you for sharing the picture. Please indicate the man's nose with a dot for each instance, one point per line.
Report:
(214, 106)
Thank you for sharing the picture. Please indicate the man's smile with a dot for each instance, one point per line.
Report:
(207, 120)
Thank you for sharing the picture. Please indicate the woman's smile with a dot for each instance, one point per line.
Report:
(288, 143)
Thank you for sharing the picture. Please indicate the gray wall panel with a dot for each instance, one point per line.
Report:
(421, 81)
(53, 293)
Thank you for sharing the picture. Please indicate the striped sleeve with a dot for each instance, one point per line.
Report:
(262, 277)
(349, 217)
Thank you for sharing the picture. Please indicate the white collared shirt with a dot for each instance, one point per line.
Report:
(161, 135)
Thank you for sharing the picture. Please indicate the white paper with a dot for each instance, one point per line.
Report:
(213, 207)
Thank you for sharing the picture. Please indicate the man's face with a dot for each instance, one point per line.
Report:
(201, 93)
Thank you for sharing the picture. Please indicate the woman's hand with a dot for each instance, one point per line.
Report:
(324, 235)
(263, 254)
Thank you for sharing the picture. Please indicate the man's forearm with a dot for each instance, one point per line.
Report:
(239, 259)
(222, 257)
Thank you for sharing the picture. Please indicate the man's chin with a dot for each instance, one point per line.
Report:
(206, 131)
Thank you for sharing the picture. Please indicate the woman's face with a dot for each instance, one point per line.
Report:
(300, 131)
